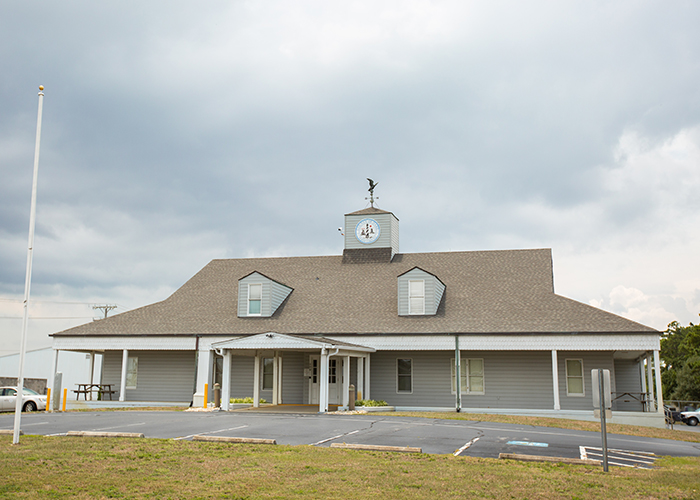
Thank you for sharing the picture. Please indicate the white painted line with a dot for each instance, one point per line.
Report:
(457, 452)
(334, 437)
(210, 432)
(34, 423)
(120, 426)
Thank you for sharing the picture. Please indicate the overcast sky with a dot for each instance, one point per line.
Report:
(179, 132)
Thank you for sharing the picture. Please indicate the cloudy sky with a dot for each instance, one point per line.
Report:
(178, 132)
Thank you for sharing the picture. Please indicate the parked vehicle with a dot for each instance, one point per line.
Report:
(691, 417)
(31, 400)
(672, 414)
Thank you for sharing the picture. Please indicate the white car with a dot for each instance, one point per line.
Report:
(691, 417)
(31, 400)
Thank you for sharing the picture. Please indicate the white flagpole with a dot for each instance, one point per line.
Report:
(28, 277)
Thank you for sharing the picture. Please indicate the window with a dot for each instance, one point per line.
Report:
(574, 377)
(416, 297)
(268, 374)
(132, 371)
(472, 375)
(332, 371)
(404, 375)
(254, 299)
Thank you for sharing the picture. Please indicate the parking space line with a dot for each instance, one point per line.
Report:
(457, 452)
(210, 432)
(120, 426)
(334, 437)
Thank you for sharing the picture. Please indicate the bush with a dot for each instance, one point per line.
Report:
(248, 400)
(371, 402)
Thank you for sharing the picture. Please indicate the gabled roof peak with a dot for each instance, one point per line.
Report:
(371, 211)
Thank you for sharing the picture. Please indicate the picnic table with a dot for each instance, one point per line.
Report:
(101, 389)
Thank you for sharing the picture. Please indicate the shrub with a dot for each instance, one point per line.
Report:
(371, 402)
(248, 400)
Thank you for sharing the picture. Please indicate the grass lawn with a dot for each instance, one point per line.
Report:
(62, 467)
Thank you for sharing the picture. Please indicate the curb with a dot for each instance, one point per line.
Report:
(105, 434)
(371, 447)
(223, 439)
(538, 458)
(10, 432)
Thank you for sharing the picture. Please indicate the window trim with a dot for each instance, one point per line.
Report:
(583, 380)
(410, 376)
(465, 362)
(422, 296)
(249, 300)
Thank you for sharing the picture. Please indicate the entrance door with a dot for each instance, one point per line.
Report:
(335, 380)
(313, 380)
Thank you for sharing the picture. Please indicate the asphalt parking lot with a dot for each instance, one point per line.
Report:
(465, 438)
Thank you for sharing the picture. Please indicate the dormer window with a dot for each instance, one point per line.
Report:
(260, 296)
(254, 299)
(419, 293)
(416, 297)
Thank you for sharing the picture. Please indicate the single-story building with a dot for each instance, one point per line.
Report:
(476, 330)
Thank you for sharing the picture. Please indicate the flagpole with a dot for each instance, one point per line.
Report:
(28, 277)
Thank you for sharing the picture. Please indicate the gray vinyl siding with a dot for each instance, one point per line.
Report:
(591, 360)
(388, 235)
(242, 376)
(433, 291)
(628, 380)
(162, 375)
(273, 294)
(293, 379)
(512, 379)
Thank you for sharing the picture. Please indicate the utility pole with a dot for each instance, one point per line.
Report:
(105, 308)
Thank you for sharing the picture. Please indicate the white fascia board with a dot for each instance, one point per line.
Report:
(154, 343)
(470, 342)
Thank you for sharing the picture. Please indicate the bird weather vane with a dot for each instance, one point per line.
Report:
(372, 185)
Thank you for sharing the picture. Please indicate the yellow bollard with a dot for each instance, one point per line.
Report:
(48, 399)
(206, 394)
(65, 396)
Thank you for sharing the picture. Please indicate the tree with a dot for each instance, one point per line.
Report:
(680, 351)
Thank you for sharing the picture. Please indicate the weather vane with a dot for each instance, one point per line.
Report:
(372, 185)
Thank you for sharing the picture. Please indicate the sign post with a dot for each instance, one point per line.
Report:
(602, 406)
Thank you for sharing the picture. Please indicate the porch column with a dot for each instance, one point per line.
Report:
(555, 379)
(643, 377)
(360, 377)
(52, 381)
(279, 379)
(650, 386)
(92, 370)
(346, 382)
(275, 376)
(323, 383)
(367, 384)
(659, 393)
(205, 364)
(122, 386)
(226, 381)
(256, 382)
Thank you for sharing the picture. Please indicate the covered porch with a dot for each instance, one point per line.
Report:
(325, 377)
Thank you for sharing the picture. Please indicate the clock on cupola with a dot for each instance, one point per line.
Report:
(371, 235)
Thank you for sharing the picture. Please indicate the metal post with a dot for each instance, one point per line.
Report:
(603, 431)
(458, 376)
(28, 275)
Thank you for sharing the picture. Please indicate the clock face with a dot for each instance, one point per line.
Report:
(367, 231)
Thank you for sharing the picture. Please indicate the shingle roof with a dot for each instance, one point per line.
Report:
(507, 291)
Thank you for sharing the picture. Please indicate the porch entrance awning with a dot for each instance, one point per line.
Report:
(272, 341)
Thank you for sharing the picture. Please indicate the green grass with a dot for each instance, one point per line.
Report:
(62, 467)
